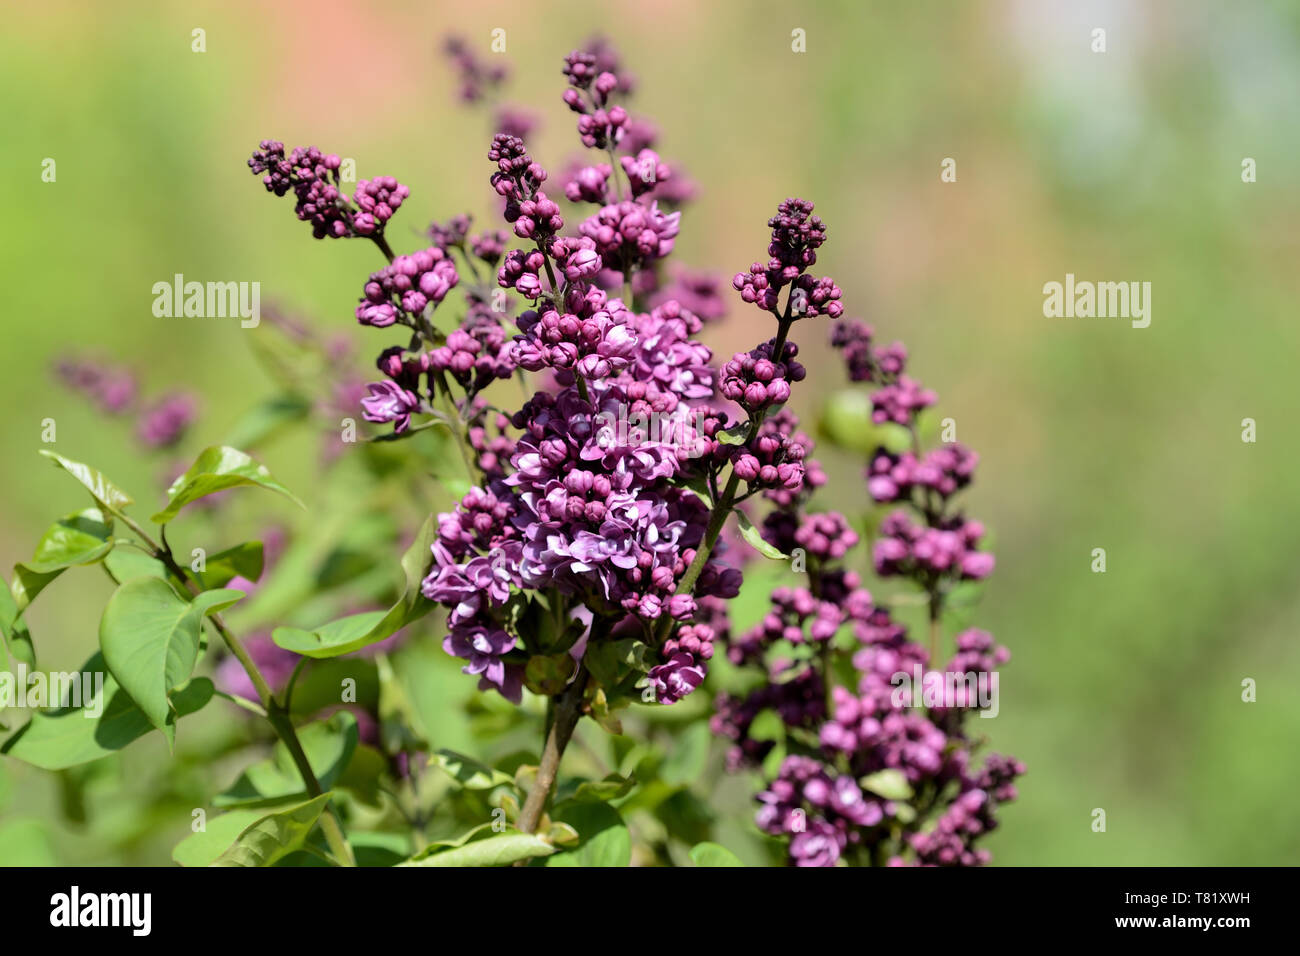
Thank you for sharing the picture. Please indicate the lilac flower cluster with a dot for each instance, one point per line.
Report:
(883, 760)
(753, 381)
(630, 235)
(592, 337)
(476, 354)
(591, 544)
(518, 181)
(796, 617)
(314, 179)
(600, 121)
(402, 290)
(590, 517)
(943, 471)
(940, 552)
(773, 460)
(796, 236)
(861, 774)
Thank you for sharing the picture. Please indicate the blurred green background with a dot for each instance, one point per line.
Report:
(1124, 689)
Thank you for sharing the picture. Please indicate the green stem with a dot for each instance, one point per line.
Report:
(936, 612)
(462, 440)
(615, 167)
(276, 715)
(382, 243)
(565, 716)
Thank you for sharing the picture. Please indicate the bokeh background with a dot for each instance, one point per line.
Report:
(1124, 689)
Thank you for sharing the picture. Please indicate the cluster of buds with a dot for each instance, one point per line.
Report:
(404, 288)
(314, 179)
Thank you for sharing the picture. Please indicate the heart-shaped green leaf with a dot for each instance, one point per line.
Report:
(888, 783)
(468, 772)
(58, 739)
(274, 836)
(356, 631)
(150, 639)
(500, 850)
(604, 839)
(243, 560)
(83, 537)
(216, 469)
(203, 847)
(104, 491)
(15, 639)
(713, 854)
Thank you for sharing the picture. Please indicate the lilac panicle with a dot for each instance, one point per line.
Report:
(932, 801)
(591, 527)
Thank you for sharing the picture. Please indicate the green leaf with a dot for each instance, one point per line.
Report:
(363, 774)
(127, 563)
(78, 538)
(15, 639)
(243, 560)
(713, 854)
(274, 836)
(611, 661)
(27, 584)
(398, 718)
(203, 848)
(58, 739)
(562, 834)
(547, 675)
(101, 489)
(601, 791)
(500, 850)
(437, 846)
(320, 685)
(216, 469)
(889, 783)
(343, 636)
(468, 772)
(329, 746)
(735, 435)
(750, 534)
(604, 838)
(83, 537)
(352, 633)
(150, 639)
